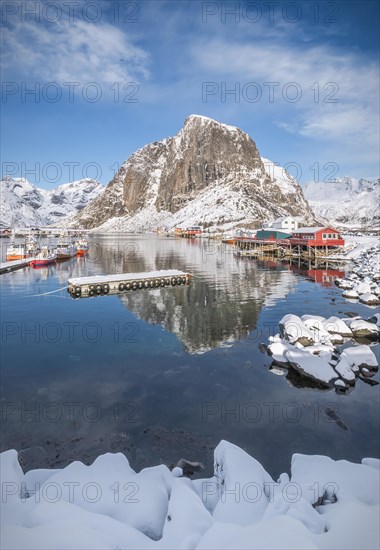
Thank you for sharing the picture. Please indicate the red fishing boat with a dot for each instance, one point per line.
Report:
(45, 256)
(82, 247)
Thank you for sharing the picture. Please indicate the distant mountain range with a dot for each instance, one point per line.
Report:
(346, 201)
(25, 205)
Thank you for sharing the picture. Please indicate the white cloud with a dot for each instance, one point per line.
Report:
(353, 83)
(76, 51)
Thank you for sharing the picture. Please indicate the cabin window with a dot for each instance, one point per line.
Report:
(324, 236)
(329, 236)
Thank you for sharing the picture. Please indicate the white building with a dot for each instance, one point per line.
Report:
(288, 223)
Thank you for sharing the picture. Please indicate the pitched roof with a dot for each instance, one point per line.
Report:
(308, 229)
(282, 219)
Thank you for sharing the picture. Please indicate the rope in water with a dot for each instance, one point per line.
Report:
(46, 293)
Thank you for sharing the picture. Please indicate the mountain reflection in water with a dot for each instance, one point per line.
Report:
(223, 301)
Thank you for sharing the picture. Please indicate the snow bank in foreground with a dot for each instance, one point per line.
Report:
(109, 506)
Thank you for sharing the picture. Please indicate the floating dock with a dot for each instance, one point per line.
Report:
(5, 267)
(85, 287)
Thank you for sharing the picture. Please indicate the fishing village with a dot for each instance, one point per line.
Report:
(281, 239)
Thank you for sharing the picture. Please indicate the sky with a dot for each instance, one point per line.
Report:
(87, 83)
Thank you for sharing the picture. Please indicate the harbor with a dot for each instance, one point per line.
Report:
(32, 252)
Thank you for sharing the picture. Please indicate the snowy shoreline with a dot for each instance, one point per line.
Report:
(312, 346)
(109, 506)
(315, 347)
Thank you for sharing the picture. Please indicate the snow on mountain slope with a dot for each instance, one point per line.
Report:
(347, 201)
(209, 174)
(23, 204)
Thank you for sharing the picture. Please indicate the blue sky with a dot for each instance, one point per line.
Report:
(301, 78)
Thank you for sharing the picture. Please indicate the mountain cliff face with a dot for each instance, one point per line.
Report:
(209, 174)
(346, 201)
(23, 205)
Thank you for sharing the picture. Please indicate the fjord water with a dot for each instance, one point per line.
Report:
(167, 373)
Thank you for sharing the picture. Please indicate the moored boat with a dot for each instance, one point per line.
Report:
(16, 251)
(45, 256)
(65, 249)
(21, 251)
(82, 247)
(229, 240)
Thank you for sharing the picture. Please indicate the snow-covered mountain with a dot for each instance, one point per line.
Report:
(23, 204)
(209, 174)
(346, 201)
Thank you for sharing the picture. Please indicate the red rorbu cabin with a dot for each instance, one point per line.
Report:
(317, 236)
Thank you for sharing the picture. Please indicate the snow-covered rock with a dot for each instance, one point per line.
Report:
(334, 325)
(344, 283)
(311, 366)
(246, 509)
(187, 519)
(369, 299)
(11, 477)
(241, 485)
(372, 462)
(361, 328)
(318, 330)
(294, 330)
(350, 294)
(363, 288)
(278, 348)
(308, 510)
(310, 346)
(145, 495)
(332, 479)
(360, 356)
(343, 368)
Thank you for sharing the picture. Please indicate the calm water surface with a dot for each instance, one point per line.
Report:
(168, 373)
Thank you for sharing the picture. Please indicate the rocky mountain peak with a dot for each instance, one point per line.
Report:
(208, 174)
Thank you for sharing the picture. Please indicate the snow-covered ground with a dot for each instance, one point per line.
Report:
(356, 244)
(323, 504)
(363, 281)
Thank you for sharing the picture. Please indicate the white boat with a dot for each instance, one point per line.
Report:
(65, 249)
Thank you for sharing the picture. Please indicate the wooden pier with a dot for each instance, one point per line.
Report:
(6, 267)
(284, 248)
(255, 248)
(86, 287)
